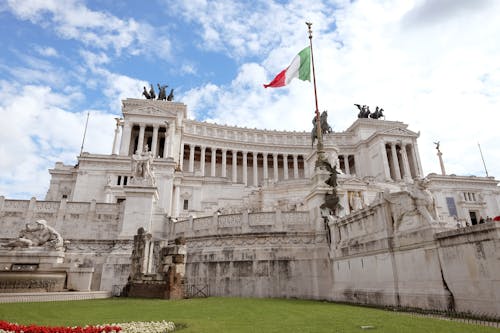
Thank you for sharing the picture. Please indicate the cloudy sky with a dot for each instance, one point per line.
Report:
(433, 64)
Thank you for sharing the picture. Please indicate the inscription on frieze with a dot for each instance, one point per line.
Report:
(261, 218)
(24, 267)
(228, 221)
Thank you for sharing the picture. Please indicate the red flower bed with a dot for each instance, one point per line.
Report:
(6, 326)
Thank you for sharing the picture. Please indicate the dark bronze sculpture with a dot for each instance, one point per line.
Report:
(325, 127)
(364, 112)
(162, 95)
(331, 199)
(161, 92)
(170, 96)
(379, 113)
(152, 92)
(146, 94)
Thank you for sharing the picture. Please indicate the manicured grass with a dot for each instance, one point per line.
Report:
(222, 315)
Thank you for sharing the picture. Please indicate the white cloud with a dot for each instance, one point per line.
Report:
(440, 76)
(46, 51)
(46, 132)
(71, 19)
(242, 29)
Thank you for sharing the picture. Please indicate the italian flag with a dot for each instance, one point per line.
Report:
(299, 68)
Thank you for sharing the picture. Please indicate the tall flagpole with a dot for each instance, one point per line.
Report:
(84, 133)
(485, 170)
(319, 132)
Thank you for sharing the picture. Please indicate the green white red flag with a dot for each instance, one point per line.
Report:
(299, 68)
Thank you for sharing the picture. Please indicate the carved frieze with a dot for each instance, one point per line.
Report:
(227, 221)
(47, 284)
(16, 205)
(253, 241)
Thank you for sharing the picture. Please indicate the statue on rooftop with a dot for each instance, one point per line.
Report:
(146, 94)
(364, 111)
(152, 93)
(170, 96)
(379, 113)
(162, 95)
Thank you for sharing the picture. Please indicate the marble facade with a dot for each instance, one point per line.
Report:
(246, 202)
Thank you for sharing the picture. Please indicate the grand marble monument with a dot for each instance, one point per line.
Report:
(258, 217)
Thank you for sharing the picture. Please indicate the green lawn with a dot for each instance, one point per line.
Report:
(230, 315)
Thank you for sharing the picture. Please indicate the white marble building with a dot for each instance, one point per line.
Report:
(247, 203)
(201, 168)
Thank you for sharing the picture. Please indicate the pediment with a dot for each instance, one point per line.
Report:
(399, 132)
(348, 181)
(149, 110)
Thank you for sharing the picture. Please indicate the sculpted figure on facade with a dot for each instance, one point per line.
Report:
(424, 201)
(323, 122)
(38, 234)
(331, 199)
(356, 201)
(141, 165)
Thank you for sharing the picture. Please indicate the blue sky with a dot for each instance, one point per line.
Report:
(433, 64)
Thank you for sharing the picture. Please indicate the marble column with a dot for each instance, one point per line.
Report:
(416, 157)
(346, 165)
(395, 162)
(191, 158)
(235, 166)
(140, 142)
(181, 157)
(176, 201)
(245, 168)
(224, 166)
(117, 130)
(295, 166)
(285, 166)
(264, 166)
(385, 163)
(406, 164)
(213, 161)
(166, 145)
(275, 167)
(255, 170)
(202, 160)
(154, 141)
(126, 137)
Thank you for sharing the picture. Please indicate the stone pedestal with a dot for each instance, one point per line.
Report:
(79, 278)
(139, 205)
(31, 270)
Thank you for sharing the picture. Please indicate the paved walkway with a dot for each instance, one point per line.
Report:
(53, 296)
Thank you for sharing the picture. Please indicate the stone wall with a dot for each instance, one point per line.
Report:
(408, 262)
(90, 228)
(81, 220)
(470, 258)
(267, 254)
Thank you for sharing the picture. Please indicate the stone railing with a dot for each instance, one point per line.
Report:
(261, 222)
(87, 219)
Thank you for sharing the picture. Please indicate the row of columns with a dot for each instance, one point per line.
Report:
(347, 169)
(399, 162)
(255, 168)
(126, 140)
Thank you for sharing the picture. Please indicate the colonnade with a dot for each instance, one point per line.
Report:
(264, 165)
(402, 160)
(345, 164)
(135, 136)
